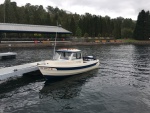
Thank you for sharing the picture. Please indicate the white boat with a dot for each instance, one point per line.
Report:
(68, 62)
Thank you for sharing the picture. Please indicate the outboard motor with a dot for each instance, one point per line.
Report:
(88, 58)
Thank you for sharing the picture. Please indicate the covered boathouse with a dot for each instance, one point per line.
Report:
(11, 28)
(27, 28)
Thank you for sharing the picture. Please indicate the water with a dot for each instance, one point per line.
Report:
(120, 85)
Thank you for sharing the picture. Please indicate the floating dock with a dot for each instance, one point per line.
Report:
(8, 55)
(18, 70)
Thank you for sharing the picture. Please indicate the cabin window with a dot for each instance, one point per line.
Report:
(76, 56)
(65, 55)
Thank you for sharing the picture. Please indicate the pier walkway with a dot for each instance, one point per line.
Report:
(8, 55)
(18, 70)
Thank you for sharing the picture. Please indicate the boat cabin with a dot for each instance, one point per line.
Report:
(68, 54)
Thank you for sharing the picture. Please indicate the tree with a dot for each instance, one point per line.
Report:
(126, 33)
(73, 25)
(1, 13)
(93, 25)
(86, 35)
(78, 32)
(142, 29)
(117, 27)
(0, 37)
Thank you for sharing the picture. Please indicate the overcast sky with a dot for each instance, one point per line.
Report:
(111, 8)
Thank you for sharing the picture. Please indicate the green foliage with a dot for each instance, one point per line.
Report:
(86, 25)
(142, 29)
(129, 40)
(72, 25)
(126, 33)
(86, 35)
(78, 32)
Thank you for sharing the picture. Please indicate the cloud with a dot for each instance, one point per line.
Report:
(112, 8)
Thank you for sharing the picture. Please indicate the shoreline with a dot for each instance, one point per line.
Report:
(40, 45)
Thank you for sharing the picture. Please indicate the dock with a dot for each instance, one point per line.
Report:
(8, 55)
(19, 70)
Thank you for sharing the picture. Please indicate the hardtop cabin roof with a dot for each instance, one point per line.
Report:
(69, 50)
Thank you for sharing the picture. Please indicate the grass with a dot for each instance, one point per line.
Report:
(129, 40)
(133, 41)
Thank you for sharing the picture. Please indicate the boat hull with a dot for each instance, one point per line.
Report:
(67, 71)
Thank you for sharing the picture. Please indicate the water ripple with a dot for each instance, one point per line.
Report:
(120, 85)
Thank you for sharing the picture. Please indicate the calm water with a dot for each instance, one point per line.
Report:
(120, 85)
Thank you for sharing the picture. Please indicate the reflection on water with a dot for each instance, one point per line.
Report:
(65, 88)
(14, 83)
(120, 85)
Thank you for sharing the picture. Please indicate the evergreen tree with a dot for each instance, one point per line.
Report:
(78, 32)
(79, 25)
(117, 27)
(142, 28)
(73, 26)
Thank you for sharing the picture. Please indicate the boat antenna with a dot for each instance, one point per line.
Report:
(55, 39)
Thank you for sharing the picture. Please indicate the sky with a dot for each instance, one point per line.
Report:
(111, 8)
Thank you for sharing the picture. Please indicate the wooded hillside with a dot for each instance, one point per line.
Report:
(86, 25)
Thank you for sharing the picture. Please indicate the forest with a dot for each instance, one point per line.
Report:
(86, 25)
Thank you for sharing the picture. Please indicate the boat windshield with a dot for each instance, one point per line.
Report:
(56, 56)
(62, 55)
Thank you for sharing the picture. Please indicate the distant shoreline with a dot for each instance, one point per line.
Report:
(40, 45)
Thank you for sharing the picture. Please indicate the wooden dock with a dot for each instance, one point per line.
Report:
(8, 55)
(18, 70)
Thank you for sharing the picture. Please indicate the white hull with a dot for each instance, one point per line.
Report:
(68, 62)
(73, 69)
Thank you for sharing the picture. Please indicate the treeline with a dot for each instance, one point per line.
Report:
(86, 25)
(142, 29)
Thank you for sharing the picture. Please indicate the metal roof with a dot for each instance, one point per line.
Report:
(10, 27)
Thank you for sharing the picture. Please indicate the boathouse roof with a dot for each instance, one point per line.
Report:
(27, 28)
